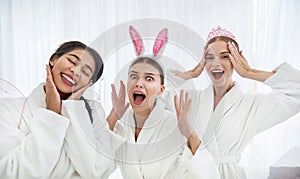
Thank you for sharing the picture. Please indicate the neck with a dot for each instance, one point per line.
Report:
(220, 91)
(140, 119)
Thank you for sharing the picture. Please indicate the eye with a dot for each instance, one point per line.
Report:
(210, 57)
(149, 78)
(85, 73)
(71, 61)
(133, 76)
(225, 57)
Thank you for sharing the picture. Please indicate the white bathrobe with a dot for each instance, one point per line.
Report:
(238, 117)
(49, 145)
(160, 151)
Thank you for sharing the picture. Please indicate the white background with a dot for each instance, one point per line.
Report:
(268, 32)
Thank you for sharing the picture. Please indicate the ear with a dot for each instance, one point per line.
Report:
(160, 42)
(136, 40)
(162, 89)
(53, 60)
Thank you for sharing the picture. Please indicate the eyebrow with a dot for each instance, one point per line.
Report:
(144, 73)
(79, 59)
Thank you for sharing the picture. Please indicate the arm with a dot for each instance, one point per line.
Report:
(183, 113)
(240, 64)
(33, 154)
(90, 147)
(195, 72)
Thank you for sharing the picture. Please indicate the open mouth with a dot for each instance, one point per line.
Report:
(217, 74)
(138, 98)
(68, 79)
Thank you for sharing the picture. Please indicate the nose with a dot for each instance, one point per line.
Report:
(139, 83)
(216, 62)
(75, 70)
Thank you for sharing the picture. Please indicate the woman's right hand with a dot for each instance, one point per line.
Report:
(119, 105)
(196, 71)
(53, 100)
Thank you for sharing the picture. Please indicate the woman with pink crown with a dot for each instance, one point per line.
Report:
(159, 144)
(224, 117)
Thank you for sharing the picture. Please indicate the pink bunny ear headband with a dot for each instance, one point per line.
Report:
(159, 43)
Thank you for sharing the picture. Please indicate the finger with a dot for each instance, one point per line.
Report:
(234, 63)
(113, 91)
(122, 91)
(188, 106)
(49, 81)
(233, 50)
(126, 106)
(186, 97)
(176, 105)
(243, 58)
(77, 94)
(181, 99)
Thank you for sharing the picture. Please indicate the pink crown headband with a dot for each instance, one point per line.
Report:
(159, 43)
(220, 32)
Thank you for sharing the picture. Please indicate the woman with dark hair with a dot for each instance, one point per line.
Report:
(54, 132)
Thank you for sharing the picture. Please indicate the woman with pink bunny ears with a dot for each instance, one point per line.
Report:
(225, 117)
(157, 139)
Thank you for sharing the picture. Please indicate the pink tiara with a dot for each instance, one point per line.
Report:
(220, 32)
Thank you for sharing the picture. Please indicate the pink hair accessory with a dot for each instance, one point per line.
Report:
(220, 32)
(136, 40)
(160, 41)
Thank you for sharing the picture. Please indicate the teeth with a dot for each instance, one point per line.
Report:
(69, 79)
(217, 71)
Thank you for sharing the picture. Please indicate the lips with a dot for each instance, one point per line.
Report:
(138, 97)
(68, 79)
(217, 73)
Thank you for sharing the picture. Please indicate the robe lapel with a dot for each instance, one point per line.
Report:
(152, 124)
(226, 103)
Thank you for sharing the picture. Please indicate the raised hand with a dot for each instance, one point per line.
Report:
(119, 105)
(238, 61)
(53, 100)
(183, 113)
(77, 94)
(196, 71)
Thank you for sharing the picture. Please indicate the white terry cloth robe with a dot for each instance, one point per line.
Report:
(238, 117)
(49, 145)
(160, 151)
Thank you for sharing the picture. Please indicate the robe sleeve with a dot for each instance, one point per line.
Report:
(282, 103)
(200, 166)
(90, 147)
(36, 154)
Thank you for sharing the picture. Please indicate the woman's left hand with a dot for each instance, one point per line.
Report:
(77, 94)
(238, 61)
(183, 113)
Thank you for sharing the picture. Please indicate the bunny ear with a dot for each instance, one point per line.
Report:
(136, 40)
(160, 41)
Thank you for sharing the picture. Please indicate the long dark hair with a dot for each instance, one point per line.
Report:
(73, 45)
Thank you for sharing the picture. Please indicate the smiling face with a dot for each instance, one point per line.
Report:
(72, 71)
(143, 86)
(218, 65)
